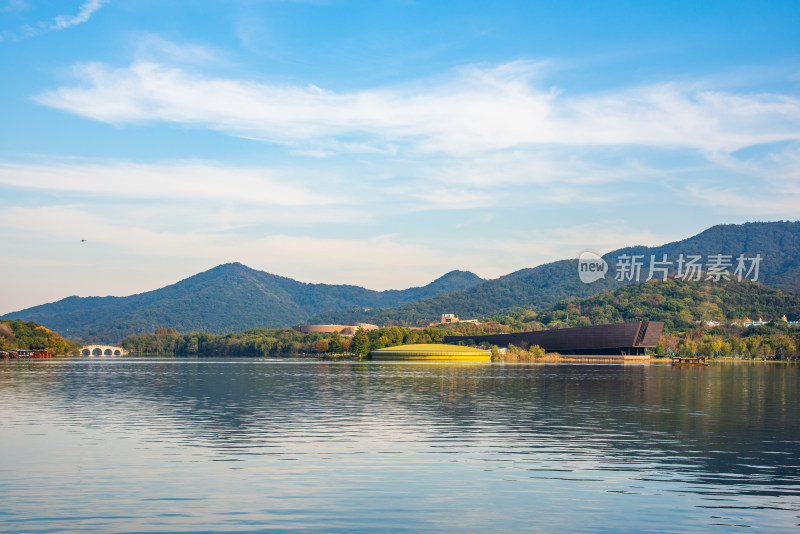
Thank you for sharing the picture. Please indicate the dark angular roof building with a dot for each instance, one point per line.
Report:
(609, 339)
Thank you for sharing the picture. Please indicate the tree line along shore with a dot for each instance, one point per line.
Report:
(27, 335)
(773, 341)
(699, 319)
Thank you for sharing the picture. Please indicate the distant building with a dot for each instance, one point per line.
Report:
(342, 329)
(621, 339)
(25, 353)
(431, 351)
(447, 318)
(748, 322)
(790, 323)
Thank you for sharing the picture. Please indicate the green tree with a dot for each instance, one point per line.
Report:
(752, 344)
(192, 346)
(335, 343)
(360, 343)
(784, 346)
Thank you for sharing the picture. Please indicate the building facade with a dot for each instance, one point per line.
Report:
(610, 339)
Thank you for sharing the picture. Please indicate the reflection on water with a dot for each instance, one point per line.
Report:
(251, 445)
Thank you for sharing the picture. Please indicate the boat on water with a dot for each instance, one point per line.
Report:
(689, 360)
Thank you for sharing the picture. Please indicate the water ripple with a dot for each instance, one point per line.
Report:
(150, 445)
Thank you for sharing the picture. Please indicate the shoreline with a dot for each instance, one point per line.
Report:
(548, 358)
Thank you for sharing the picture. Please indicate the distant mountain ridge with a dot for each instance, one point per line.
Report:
(227, 298)
(778, 243)
(233, 297)
(544, 286)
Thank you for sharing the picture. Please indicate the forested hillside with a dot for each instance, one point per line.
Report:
(777, 244)
(686, 307)
(227, 298)
(681, 305)
(539, 287)
(233, 297)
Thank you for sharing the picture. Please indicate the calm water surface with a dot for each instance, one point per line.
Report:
(209, 445)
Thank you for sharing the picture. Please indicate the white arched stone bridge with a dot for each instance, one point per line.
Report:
(103, 350)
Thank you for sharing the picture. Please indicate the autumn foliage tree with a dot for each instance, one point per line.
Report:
(30, 335)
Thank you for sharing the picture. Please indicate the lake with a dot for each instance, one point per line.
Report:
(254, 445)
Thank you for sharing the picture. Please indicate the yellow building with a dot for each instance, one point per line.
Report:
(432, 351)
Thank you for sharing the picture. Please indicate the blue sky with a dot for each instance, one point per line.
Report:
(378, 143)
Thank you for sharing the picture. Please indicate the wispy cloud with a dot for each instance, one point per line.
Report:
(177, 181)
(474, 109)
(774, 203)
(85, 12)
(473, 138)
(57, 23)
(151, 47)
(14, 5)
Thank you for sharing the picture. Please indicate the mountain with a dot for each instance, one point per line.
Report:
(227, 298)
(233, 297)
(778, 244)
(539, 287)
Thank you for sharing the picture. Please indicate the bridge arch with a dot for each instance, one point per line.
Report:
(102, 350)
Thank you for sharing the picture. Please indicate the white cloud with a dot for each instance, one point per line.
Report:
(227, 196)
(177, 181)
(85, 12)
(774, 203)
(151, 47)
(472, 110)
(764, 182)
(57, 23)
